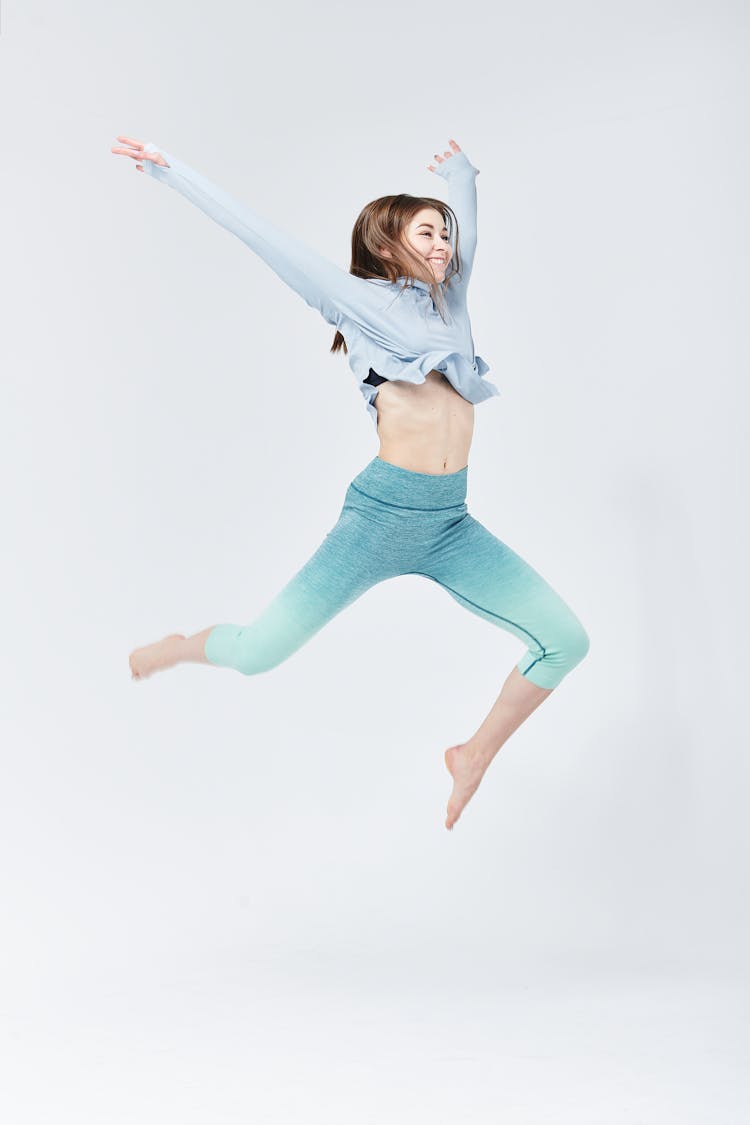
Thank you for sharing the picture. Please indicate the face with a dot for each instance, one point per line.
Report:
(427, 235)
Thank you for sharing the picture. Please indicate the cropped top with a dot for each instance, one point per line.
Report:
(396, 331)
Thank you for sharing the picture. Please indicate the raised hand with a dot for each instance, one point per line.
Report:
(446, 156)
(134, 149)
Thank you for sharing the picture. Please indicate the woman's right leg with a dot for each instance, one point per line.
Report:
(345, 565)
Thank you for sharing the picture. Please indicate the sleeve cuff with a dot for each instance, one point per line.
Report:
(457, 164)
(157, 171)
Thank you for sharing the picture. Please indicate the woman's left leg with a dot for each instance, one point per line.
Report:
(488, 578)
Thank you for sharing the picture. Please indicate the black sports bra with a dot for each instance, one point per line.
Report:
(374, 379)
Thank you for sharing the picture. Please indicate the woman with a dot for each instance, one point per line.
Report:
(401, 315)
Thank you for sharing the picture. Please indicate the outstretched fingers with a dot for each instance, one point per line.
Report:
(135, 149)
(446, 155)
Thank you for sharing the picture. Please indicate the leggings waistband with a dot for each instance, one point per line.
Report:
(405, 488)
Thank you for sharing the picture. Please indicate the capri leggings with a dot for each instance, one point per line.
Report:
(395, 521)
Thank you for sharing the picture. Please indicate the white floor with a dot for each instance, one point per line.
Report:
(307, 1036)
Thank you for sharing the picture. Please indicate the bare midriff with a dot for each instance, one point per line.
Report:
(425, 427)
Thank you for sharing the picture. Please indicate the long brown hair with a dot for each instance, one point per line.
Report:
(382, 223)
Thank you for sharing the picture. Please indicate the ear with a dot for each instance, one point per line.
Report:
(385, 253)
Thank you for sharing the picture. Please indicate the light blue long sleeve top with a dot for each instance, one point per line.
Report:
(396, 331)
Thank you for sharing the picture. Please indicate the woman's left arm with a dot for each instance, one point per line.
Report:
(455, 167)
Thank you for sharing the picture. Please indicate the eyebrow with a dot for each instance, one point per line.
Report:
(429, 225)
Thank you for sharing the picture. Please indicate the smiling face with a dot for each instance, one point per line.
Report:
(427, 235)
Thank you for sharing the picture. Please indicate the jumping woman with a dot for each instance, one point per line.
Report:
(401, 316)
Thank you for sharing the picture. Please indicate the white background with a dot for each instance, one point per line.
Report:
(231, 899)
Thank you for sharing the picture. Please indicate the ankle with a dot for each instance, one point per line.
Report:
(191, 650)
(478, 750)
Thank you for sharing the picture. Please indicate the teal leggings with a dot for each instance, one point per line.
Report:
(395, 521)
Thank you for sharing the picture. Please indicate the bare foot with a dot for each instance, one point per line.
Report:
(155, 657)
(466, 766)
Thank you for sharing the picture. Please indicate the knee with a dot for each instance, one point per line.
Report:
(256, 655)
(576, 644)
(567, 646)
(253, 663)
(245, 649)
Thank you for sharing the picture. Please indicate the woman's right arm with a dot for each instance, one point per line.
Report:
(323, 286)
